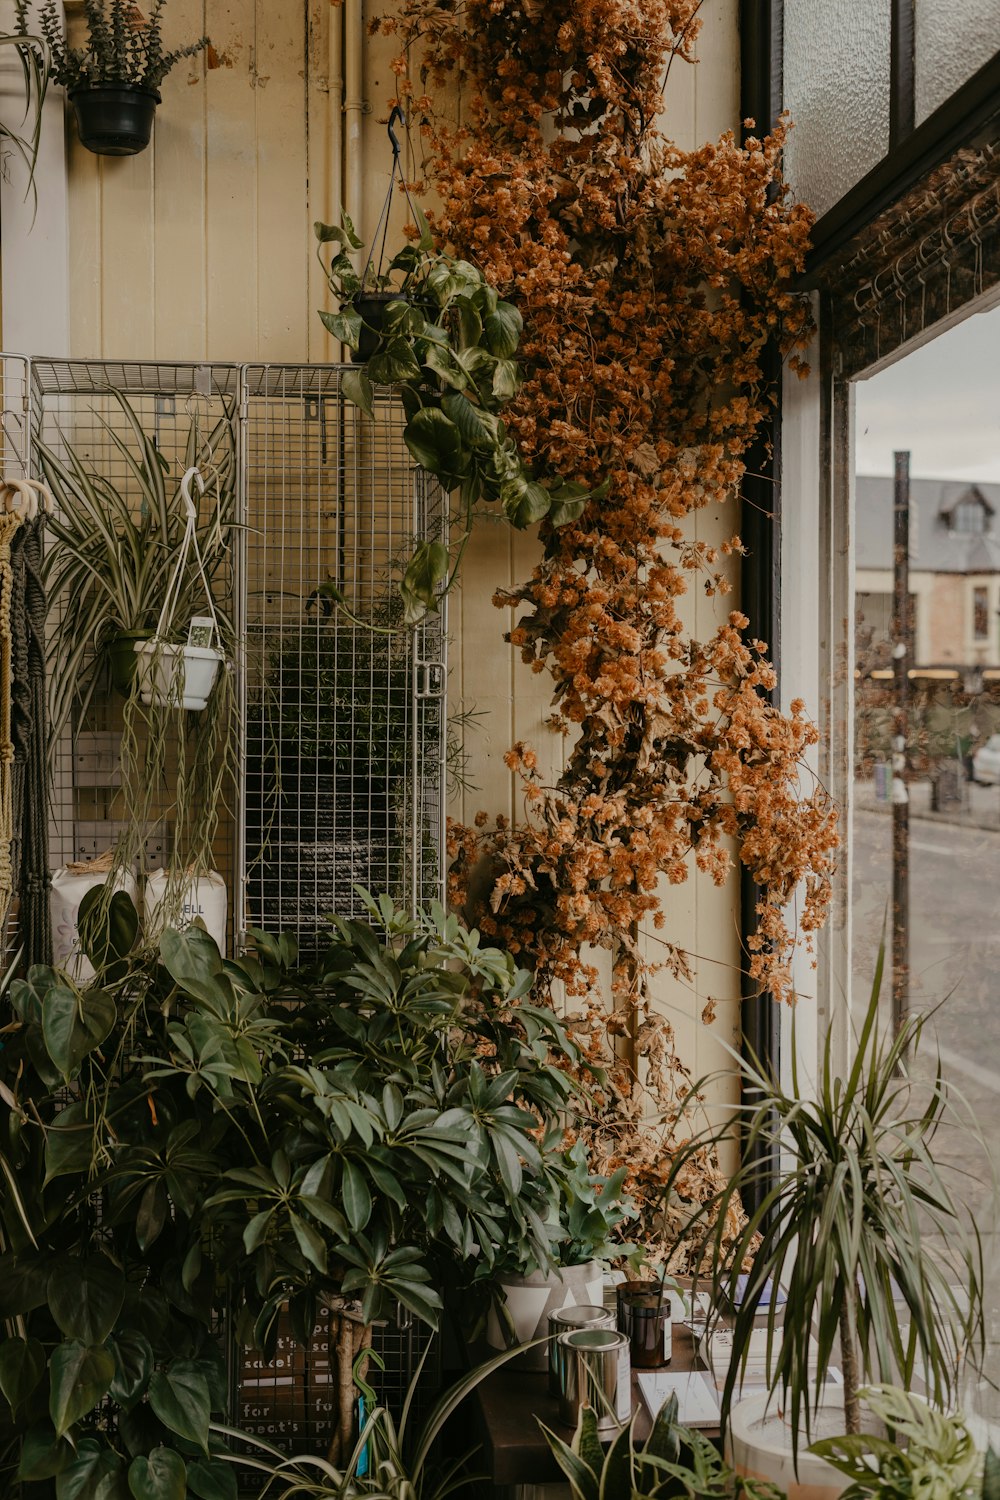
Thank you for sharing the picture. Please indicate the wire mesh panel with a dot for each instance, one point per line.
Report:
(344, 710)
(90, 421)
(15, 440)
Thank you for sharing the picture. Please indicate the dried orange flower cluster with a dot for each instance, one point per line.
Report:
(650, 280)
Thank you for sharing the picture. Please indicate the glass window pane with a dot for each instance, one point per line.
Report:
(940, 403)
(836, 61)
(953, 39)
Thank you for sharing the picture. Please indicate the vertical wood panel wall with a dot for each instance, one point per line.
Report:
(201, 248)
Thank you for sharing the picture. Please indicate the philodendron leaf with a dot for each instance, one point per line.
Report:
(43, 1454)
(108, 929)
(80, 1376)
(396, 362)
(133, 1366)
(426, 572)
(161, 1476)
(180, 1398)
(96, 1473)
(434, 441)
(22, 1365)
(358, 388)
(193, 961)
(74, 1023)
(503, 330)
(530, 505)
(212, 1479)
(85, 1297)
(69, 1142)
(345, 326)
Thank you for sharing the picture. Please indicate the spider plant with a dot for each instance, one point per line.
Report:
(35, 61)
(115, 545)
(858, 1219)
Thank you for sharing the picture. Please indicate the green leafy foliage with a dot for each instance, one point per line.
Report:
(373, 1124)
(857, 1220)
(673, 1463)
(119, 52)
(929, 1454)
(447, 347)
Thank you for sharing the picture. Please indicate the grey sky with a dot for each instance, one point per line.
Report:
(942, 402)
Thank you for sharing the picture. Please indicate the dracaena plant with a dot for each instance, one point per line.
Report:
(189, 1129)
(859, 1218)
(446, 346)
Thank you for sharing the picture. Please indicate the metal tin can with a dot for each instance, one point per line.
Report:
(596, 1373)
(586, 1315)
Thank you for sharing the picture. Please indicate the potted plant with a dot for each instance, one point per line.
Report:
(113, 82)
(33, 56)
(582, 1213)
(672, 1463)
(188, 1132)
(839, 1247)
(930, 1452)
(433, 329)
(115, 547)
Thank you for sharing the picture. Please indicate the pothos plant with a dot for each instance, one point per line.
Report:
(651, 281)
(445, 345)
(189, 1133)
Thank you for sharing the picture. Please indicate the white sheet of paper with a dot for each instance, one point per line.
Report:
(697, 1403)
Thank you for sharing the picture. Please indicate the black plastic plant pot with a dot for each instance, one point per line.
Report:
(114, 121)
(372, 306)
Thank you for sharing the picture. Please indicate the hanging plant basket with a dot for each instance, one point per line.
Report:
(176, 676)
(372, 305)
(113, 120)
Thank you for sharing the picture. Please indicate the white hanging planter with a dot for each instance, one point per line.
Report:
(176, 676)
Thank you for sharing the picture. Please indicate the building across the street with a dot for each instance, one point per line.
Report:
(954, 574)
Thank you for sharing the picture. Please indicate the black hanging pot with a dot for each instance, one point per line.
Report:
(372, 306)
(114, 120)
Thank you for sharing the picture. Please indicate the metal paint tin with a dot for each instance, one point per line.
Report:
(596, 1373)
(563, 1320)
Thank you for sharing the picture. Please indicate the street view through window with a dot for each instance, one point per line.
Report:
(926, 825)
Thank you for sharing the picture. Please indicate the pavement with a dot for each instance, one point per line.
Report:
(977, 807)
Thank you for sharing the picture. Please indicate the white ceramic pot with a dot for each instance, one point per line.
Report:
(205, 897)
(759, 1445)
(70, 883)
(176, 676)
(530, 1299)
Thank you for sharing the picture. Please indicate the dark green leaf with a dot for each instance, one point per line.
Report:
(69, 1143)
(23, 1285)
(396, 362)
(531, 505)
(151, 1216)
(357, 1198)
(79, 1377)
(92, 1474)
(43, 1454)
(161, 1476)
(133, 1356)
(193, 961)
(73, 1024)
(180, 1398)
(212, 1479)
(503, 329)
(426, 572)
(108, 929)
(357, 387)
(22, 1365)
(85, 1297)
(434, 441)
(479, 429)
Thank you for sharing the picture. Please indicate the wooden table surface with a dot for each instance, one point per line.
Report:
(508, 1402)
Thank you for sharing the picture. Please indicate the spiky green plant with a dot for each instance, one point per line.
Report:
(855, 1217)
(33, 56)
(674, 1463)
(114, 547)
(124, 48)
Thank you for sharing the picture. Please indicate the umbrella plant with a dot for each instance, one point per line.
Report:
(190, 1132)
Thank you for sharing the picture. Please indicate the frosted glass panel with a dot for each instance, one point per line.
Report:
(837, 89)
(953, 39)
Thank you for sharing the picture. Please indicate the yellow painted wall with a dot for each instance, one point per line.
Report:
(201, 248)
